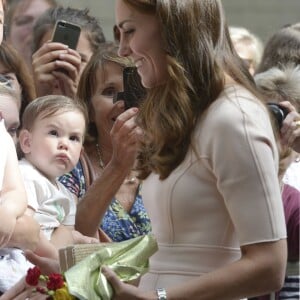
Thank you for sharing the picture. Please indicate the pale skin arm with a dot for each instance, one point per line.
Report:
(260, 270)
(43, 248)
(125, 138)
(26, 234)
(13, 194)
(66, 235)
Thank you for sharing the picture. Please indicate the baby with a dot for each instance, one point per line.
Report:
(51, 138)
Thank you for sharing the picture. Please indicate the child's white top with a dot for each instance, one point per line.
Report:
(53, 204)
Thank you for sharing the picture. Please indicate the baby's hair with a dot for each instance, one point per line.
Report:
(47, 106)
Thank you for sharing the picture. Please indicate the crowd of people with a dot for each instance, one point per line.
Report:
(208, 162)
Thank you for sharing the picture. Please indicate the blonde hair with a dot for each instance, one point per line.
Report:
(247, 38)
(280, 84)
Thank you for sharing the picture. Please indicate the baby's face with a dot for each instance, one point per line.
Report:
(56, 143)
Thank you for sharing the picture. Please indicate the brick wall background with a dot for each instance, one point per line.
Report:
(262, 17)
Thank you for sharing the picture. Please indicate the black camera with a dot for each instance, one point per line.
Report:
(278, 112)
(133, 92)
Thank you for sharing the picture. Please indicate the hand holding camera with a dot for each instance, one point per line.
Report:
(134, 92)
(290, 129)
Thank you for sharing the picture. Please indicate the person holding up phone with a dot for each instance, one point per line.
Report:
(58, 58)
(113, 202)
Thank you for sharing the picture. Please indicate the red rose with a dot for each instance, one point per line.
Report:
(32, 277)
(41, 290)
(56, 281)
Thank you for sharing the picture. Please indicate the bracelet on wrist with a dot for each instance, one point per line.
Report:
(161, 294)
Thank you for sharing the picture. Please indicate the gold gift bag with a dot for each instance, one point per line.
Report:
(128, 259)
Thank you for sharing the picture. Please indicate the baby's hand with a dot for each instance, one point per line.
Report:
(79, 238)
(8, 223)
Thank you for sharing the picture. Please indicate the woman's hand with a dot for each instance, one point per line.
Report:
(22, 290)
(79, 238)
(56, 69)
(290, 130)
(125, 137)
(123, 290)
(47, 265)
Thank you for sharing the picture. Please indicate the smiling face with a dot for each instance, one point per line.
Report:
(54, 144)
(140, 39)
(104, 111)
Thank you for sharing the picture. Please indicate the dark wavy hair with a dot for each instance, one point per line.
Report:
(199, 53)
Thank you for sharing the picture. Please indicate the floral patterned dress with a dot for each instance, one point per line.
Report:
(117, 223)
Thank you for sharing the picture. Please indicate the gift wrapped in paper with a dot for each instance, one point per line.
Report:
(128, 259)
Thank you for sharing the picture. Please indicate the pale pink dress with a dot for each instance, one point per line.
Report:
(225, 197)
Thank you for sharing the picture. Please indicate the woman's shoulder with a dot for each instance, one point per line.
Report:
(237, 97)
(234, 105)
(236, 115)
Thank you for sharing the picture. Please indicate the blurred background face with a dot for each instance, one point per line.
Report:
(22, 23)
(1, 21)
(104, 111)
(246, 53)
(10, 113)
(12, 79)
